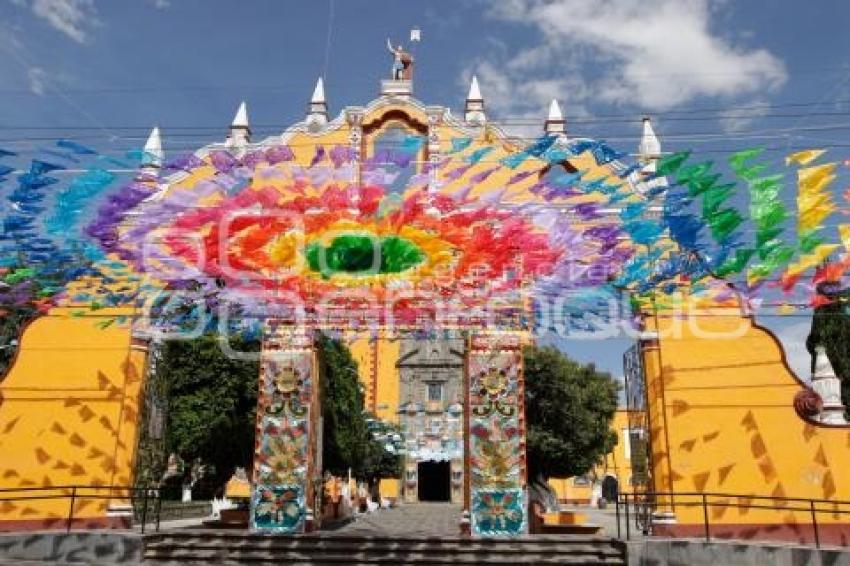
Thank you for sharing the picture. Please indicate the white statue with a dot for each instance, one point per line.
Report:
(402, 69)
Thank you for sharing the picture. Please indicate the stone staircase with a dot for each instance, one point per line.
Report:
(234, 547)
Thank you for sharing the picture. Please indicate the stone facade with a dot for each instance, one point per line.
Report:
(431, 410)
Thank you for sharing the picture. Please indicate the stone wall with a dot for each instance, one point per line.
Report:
(85, 548)
(658, 552)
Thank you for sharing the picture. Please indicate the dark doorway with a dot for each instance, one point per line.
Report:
(434, 481)
(610, 489)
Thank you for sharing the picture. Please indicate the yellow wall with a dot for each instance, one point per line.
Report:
(618, 463)
(69, 412)
(376, 362)
(722, 420)
(389, 488)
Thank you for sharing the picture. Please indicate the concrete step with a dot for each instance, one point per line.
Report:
(372, 546)
(596, 550)
(243, 537)
(326, 548)
(367, 557)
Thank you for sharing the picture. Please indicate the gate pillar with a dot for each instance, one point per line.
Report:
(496, 489)
(285, 450)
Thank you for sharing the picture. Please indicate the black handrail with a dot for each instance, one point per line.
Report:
(78, 492)
(643, 502)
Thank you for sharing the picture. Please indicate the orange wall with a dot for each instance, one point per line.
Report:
(69, 413)
(721, 418)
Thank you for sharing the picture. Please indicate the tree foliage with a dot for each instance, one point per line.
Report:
(211, 403)
(569, 407)
(381, 461)
(345, 441)
(12, 323)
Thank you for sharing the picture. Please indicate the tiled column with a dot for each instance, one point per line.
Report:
(284, 451)
(496, 427)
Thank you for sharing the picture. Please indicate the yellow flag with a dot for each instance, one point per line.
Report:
(817, 176)
(844, 233)
(804, 157)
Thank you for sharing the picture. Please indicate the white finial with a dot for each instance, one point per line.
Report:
(555, 110)
(241, 118)
(319, 93)
(152, 152)
(555, 123)
(823, 368)
(240, 130)
(649, 148)
(317, 115)
(474, 91)
(828, 386)
(474, 109)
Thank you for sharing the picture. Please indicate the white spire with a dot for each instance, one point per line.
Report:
(649, 148)
(319, 93)
(317, 115)
(828, 386)
(240, 130)
(823, 368)
(241, 118)
(152, 153)
(555, 123)
(555, 110)
(474, 108)
(474, 91)
(649, 144)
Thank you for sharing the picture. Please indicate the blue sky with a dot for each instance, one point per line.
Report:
(715, 76)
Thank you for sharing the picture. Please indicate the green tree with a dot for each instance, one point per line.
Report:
(345, 439)
(383, 457)
(569, 407)
(351, 439)
(211, 403)
(12, 324)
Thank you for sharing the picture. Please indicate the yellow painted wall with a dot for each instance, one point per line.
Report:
(569, 491)
(389, 488)
(69, 412)
(721, 420)
(381, 354)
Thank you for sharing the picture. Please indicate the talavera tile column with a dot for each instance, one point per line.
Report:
(497, 499)
(284, 447)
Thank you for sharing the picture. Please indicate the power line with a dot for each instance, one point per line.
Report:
(602, 120)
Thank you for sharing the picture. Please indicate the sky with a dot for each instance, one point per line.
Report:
(714, 76)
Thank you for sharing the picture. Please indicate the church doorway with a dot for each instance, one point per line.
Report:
(610, 488)
(434, 481)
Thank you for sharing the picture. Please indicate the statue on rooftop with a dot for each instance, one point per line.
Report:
(402, 63)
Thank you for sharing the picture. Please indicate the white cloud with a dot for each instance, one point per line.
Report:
(737, 120)
(74, 18)
(654, 54)
(37, 80)
(161, 4)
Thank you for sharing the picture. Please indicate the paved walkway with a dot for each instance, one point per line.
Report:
(436, 519)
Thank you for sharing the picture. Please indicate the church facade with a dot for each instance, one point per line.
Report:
(430, 374)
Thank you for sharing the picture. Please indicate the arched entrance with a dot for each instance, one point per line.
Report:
(434, 481)
(610, 488)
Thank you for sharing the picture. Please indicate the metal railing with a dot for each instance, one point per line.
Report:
(641, 508)
(143, 501)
